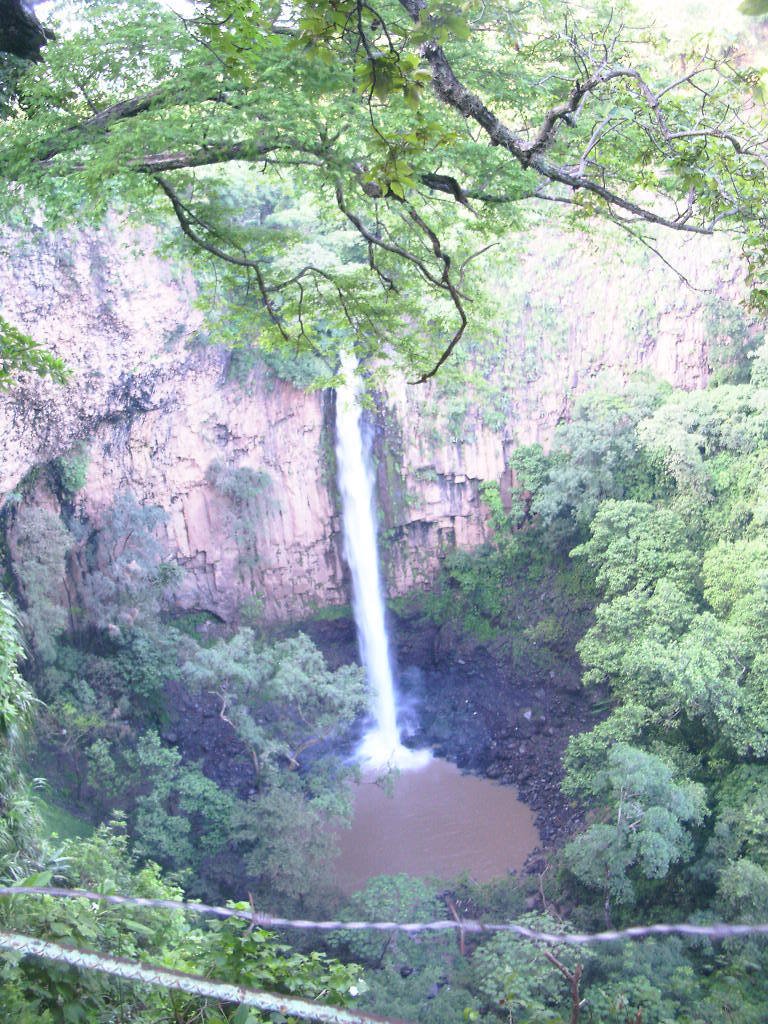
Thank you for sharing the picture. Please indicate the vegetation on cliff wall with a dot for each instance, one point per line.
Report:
(648, 515)
(21, 354)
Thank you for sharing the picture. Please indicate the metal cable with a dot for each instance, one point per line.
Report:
(716, 931)
(193, 984)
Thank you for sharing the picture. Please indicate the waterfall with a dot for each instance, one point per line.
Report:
(381, 746)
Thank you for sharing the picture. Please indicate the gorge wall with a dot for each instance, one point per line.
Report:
(242, 462)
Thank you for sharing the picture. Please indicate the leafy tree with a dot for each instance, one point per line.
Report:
(680, 638)
(742, 890)
(21, 354)
(652, 640)
(143, 659)
(514, 978)
(596, 454)
(691, 428)
(251, 956)
(530, 465)
(366, 110)
(647, 833)
(227, 950)
(62, 994)
(392, 898)
(71, 471)
(287, 838)
(736, 858)
(741, 815)
(180, 818)
(127, 579)
(121, 676)
(176, 815)
(681, 628)
(418, 977)
(653, 981)
(41, 542)
(17, 699)
(19, 820)
(634, 544)
(69, 726)
(280, 699)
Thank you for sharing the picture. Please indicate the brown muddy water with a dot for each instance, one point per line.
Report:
(434, 821)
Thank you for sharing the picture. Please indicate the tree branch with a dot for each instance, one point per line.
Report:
(574, 980)
(530, 154)
(21, 33)
(185, 223)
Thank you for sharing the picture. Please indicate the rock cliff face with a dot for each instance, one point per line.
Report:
(573, 317)
(163, 416)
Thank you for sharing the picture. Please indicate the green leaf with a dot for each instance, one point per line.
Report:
(40, 879)
(458, 27)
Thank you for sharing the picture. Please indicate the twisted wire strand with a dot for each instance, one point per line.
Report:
(716, 931)
(192, 984)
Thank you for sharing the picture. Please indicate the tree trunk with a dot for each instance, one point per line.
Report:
(20, 31)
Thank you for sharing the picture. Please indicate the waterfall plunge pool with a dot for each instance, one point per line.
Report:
(434, 821)
(431, 820)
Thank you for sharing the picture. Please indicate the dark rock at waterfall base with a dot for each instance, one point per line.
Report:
(502, 717)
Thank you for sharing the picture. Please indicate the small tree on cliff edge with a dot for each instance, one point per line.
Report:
(418, 133)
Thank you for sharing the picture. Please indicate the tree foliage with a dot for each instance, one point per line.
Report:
(647, 813)
(41, 543)
(280, 699)
(127, 580)
(391, 146)
(227, 950)
(513, 977)
(421, 132)
(287, 835)
(18, 817)
(597, 455)
(19, 353)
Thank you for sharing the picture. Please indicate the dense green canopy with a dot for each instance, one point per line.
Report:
(411, 136)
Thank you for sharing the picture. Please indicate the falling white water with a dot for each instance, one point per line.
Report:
(380, 746)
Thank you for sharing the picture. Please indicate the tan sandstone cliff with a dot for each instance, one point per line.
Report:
(156, 405)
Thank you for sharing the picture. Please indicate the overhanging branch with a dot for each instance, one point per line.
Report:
(531, 154)
(186, 223)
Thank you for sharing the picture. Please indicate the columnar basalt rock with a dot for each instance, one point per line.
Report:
(154, 400)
